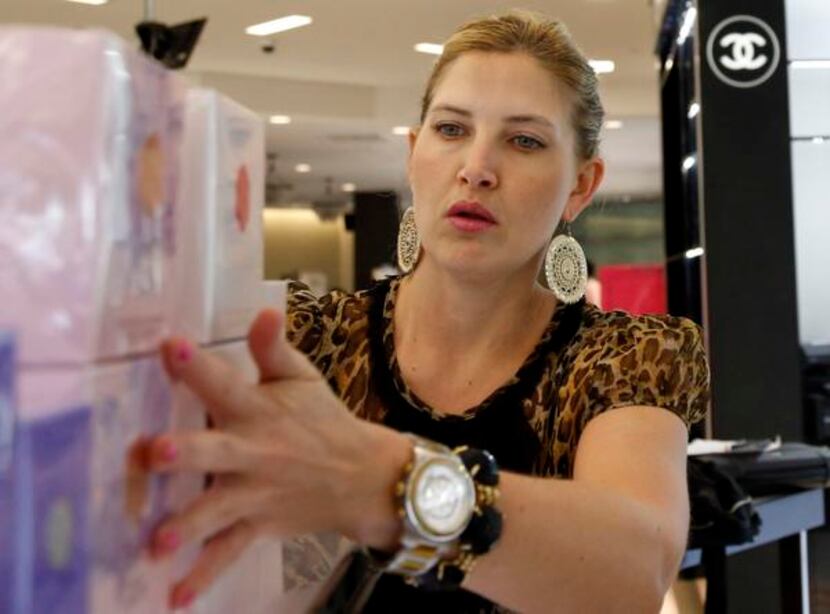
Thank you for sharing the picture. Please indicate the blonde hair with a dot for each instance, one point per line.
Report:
(547, 41)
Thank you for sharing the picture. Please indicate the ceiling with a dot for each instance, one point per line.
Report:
(352, 75)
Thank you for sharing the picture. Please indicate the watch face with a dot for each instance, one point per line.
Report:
(443, 497)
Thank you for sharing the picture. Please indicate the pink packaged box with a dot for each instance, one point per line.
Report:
(51, 477)
(220, 260)
(8, 520)
(133, 401)
(254, 581)
(88, 176)
(91, 503)
(275, 295)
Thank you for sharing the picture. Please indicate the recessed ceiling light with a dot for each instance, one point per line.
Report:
(689, 163)
(602, 67)
(613, 124)
(400, 130)
(431, 48)
(279, 119)
(93, 2)
(282, 24)
(348, 187)
(303, 168)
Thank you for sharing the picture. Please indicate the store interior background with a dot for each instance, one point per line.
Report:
(336, 178)
(351, 77)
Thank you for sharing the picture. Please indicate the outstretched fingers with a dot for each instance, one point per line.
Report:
(220, 551)
(208, 515)
(202, 452)
(222, 388)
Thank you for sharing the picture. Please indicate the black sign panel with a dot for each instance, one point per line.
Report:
(748, 219)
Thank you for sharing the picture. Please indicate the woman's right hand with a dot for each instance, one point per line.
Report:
(287, 456)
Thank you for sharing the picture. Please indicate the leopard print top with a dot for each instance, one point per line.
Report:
(614, 360)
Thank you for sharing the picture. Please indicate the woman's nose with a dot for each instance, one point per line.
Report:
(478, 170)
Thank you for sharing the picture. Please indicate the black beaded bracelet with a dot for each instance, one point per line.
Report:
(481, 533)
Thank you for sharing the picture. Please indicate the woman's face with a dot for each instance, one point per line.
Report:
(493, 167)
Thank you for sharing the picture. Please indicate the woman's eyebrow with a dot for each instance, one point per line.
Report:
(452, 109)
(513, 119)
(530, 118)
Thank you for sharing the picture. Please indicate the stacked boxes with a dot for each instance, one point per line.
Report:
(220, 290)
(132, 402)
(256, 578)
(87, 209)
(128, 211)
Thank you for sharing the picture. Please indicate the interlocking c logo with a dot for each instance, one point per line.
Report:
(750, 47)
(743, 51)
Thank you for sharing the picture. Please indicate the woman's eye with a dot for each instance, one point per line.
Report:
(450, 130)
(528, 142)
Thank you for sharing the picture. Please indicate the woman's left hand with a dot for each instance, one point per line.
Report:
(286, 455)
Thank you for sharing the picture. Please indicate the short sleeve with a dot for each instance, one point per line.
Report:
(304, 327)
(655, 361)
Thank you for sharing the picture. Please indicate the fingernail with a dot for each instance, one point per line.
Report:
(183, 596)
(184, 351)
(166, 451)
(167, 540)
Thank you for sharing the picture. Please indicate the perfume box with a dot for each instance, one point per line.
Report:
(51, 486)
(220, 257)
(7, 430)
(88, 177)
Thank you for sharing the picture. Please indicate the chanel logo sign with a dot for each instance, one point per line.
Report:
(743, 51)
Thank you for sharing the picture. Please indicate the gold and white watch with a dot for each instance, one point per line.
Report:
(436, 498)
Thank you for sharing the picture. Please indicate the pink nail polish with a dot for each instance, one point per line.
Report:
(167, 540)
(183, 597)
(184, 351)
(167, 451)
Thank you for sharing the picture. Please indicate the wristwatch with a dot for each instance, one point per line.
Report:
(436, 500)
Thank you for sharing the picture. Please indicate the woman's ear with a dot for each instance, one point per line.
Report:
(589, 177)
(413, 136)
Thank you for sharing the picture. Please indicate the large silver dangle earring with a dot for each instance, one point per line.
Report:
(566, 270)
(409, 244)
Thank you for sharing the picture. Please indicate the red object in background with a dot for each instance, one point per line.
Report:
(636, 288)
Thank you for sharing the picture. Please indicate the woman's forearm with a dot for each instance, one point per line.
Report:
(569, 546)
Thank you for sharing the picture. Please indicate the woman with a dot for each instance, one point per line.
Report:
(465, 349)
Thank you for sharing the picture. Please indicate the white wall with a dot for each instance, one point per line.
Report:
(296, 240)
(808, 38)
(811, 191)
(808, 22)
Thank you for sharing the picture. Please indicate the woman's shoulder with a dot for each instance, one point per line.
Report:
(311, 319)
(301, 298)
(620, 359)
(620, 330)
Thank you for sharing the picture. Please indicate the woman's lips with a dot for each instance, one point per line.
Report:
(470, 217)
(470, 224)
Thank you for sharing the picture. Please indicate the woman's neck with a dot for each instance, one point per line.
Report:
(443, 314)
